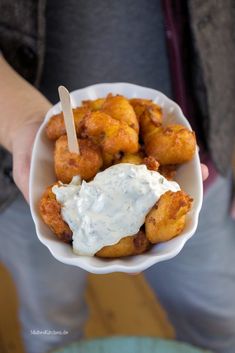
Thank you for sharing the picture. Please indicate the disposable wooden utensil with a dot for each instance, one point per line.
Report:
(68, 119)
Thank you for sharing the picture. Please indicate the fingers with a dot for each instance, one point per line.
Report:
(205, 172)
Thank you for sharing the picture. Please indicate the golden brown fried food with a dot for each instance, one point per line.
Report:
(131, 245)
(56, 127)
(50, 211)
(67, 164)
(167, 217)
(141, 105)
(94, 105)
(119, 108)
(151, 163)
(149, 124)
(138, 158)
(149, 116)
(172, 144)
(133, 158)
(112, 135)
(168, 171)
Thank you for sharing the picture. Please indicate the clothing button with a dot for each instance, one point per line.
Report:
(26, 55)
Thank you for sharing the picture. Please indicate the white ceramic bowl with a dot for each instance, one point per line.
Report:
(42, 174)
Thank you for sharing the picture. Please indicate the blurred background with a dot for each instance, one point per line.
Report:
(108, 298)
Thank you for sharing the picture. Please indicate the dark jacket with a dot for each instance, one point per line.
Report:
(22, 41)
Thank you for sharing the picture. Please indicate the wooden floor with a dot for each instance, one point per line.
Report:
(112, 312)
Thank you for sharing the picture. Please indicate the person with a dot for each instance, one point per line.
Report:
(184, 50)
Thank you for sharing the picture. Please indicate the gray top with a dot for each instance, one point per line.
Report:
(89, 42)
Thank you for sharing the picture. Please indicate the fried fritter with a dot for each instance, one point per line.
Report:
(67, 164)
(131, 245)
(149, 117)
(172, 144)
(138, 158)
(112, 135)
(148, 114)
(149, 123)
(133, 158)
(50, 211)
(94, 105)
(119, 108)
(151, 163)
(168, 171)
(56, 127)
(167, 217)
(139, 105)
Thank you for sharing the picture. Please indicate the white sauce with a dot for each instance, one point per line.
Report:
(110, 207)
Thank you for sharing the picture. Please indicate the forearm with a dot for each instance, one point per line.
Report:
(19, 102)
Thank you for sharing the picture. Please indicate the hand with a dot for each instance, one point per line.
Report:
(23, 108)
(205, 172)
(21, 150)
